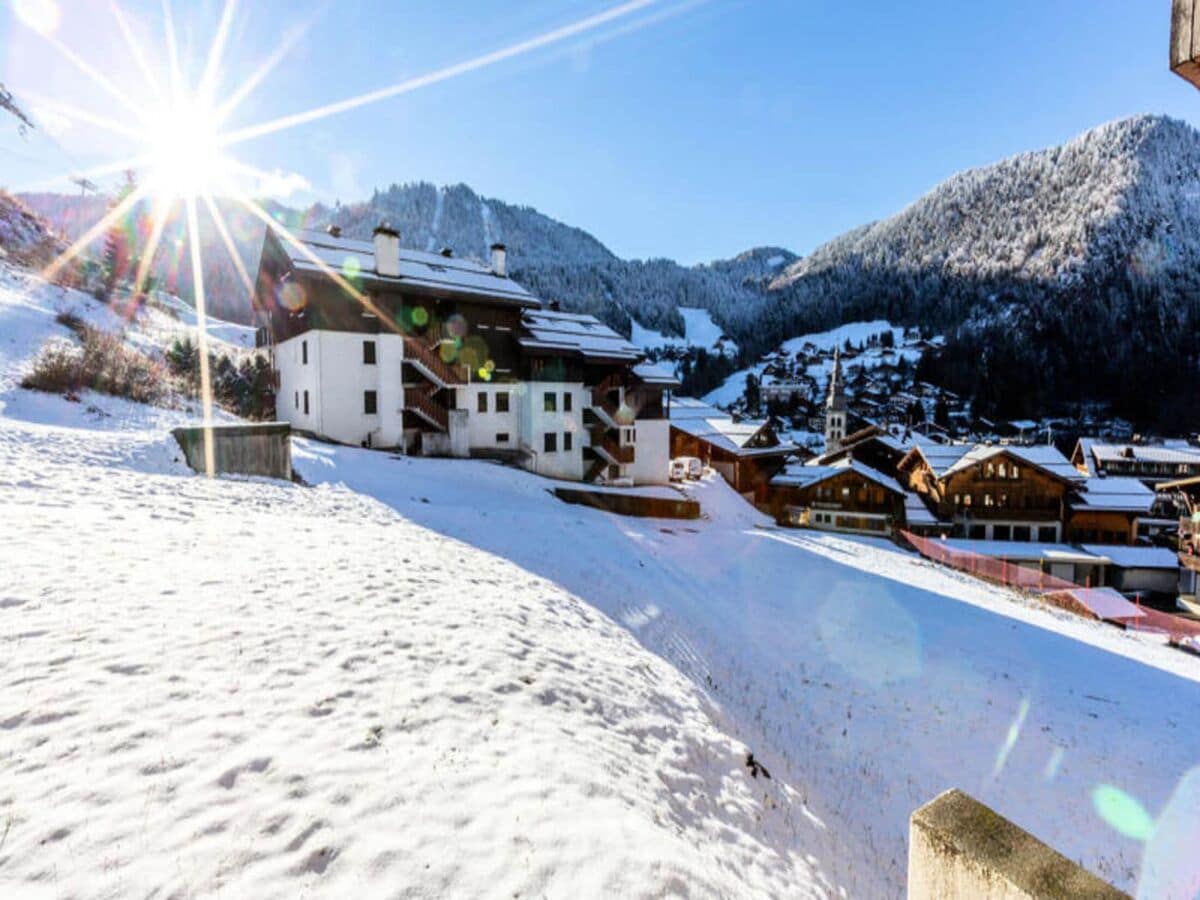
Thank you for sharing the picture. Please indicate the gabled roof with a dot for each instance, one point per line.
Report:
(1112, 494)
(716, 427)
(574, 334)
(917, 513)
(421, 271)
(806, 476)
(946, 459)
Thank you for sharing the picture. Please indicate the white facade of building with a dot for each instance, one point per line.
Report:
(327, 387)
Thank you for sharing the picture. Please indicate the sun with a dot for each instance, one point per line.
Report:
(184, 157)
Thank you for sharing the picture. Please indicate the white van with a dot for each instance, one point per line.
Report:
(678, 469)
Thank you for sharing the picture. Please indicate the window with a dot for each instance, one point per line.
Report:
(306, 403)
(502, 437)
(846, 493)
(501, 401)
(481, 401)
(549, 401)
(1016, 472)
(1046, 534)
(304, 353)
(1021, 533)
(988, 501)
(990, 470)
(1002, 470)
(368, 353)
(297, 399)
(567, 401)
(958, 499)
(966, 500)
(370, 403)
(1002, 533)
(567, 441)
(550, 439)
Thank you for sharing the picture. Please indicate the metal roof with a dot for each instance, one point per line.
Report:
(575, 334)
(655, 374)
(715, 427)
(806, 476)
(1135, 557)
(1107, 453)
(1114, 495)
(428, 271)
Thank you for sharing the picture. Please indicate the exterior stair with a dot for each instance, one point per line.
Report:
(426, 360)
(419, 400)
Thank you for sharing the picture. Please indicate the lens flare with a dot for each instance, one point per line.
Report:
(1122, 812)
(43, 16)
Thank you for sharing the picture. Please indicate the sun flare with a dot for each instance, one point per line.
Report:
(184, 152)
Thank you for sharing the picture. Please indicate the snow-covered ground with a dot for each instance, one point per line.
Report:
(732, 388)
(413, 676)
(874, 679)
(699, 331)
(250, 688)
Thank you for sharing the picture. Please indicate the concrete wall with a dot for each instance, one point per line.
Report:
(336, 379)
(959, 849)
(485, 429)
(536, 423)
(652, 458)
(264, 449)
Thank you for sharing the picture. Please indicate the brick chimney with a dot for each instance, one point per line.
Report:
(387, 251)
(500, 260)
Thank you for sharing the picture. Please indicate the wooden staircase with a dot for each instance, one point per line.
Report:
(419, 400)
(425, 359)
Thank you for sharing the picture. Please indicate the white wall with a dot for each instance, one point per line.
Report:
(337, 378)
(536, 422)
(652, 457)
(484, 428)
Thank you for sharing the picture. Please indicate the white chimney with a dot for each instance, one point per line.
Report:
(500, 260)
(387, 251)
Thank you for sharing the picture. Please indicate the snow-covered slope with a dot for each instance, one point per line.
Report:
(865, 677)
(250, 688)
(699, 331)
(25, 238)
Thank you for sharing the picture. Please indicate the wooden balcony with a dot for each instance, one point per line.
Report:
(1185, 40)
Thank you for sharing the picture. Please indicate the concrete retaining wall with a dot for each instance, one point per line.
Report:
(959, 849)
(254, 449)
(630, 504)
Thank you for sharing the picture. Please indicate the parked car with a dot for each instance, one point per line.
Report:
(678, 469)
(695, 468)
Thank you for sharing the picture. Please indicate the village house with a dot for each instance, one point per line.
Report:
(1152, 463)
(746, 454)
(993, 493)
(844, 496)
(1108, 511)
(382, 346)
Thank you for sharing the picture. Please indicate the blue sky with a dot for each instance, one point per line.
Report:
(691, 131)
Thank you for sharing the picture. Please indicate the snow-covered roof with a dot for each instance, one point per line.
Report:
(1114, 494)
(1135, 557)
(655, 374)
(1109, 453)
(575, 334)
(798, 475)
(1025, 550)
(430, 271)
(946, 459)
(916, 512)
(1046, 458)
(715, 427)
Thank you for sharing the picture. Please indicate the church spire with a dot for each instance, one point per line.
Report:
(835, 407)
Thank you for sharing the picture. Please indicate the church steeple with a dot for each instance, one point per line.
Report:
(835, 407)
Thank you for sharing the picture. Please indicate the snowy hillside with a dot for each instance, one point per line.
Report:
(699, 331)
(1030, 265)
(25, 238)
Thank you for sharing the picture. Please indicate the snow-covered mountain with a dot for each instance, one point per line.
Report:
(1066, 274)
(1062, 275)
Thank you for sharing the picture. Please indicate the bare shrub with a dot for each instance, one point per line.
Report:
(101, 361)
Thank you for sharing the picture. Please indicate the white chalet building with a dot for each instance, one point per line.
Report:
(443, 356)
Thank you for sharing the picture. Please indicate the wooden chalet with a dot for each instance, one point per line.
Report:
(844, 496)
(747, 454)
(993, 493)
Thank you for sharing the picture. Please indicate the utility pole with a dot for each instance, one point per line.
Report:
(84, 185)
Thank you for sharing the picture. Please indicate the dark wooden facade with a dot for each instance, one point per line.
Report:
(847, 491)
(1003, 488)
(746, 472)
